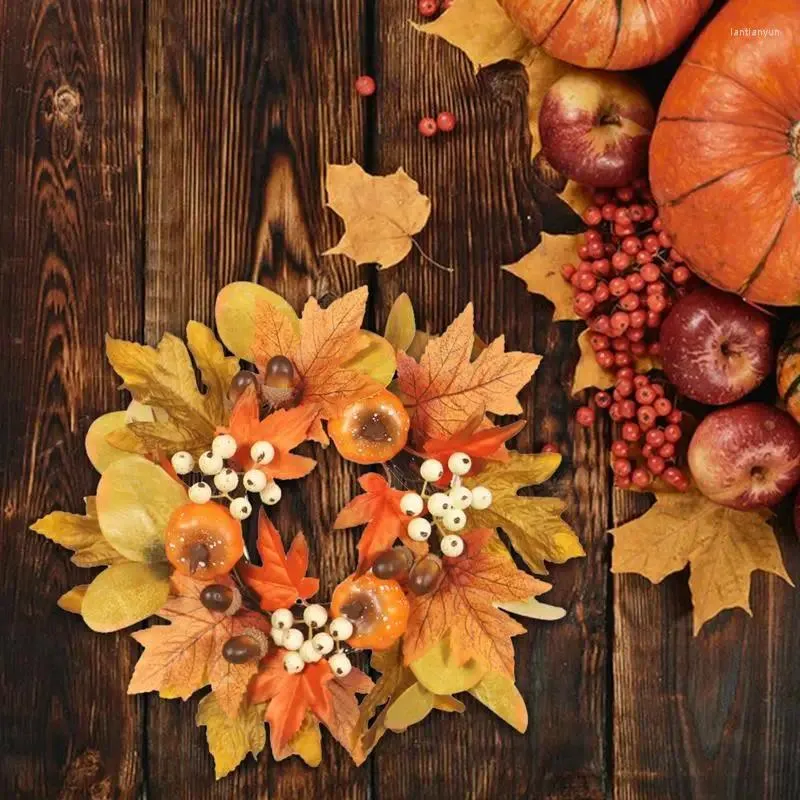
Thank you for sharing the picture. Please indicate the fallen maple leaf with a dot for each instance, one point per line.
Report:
(463, 606)
(284, 430)
(280, 580)
(379, 508)
(445, 389)
(722, 547)
(381, 213)
(532, 524)
(164, 377)
(186, 655)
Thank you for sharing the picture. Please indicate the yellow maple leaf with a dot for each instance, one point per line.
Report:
(381, 213)
(230, 739)
(722, 547)
(532, 524)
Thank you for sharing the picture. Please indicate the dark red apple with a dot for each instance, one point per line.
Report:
(595, 128)
(715, 347)
(797, 514)
(746, 456)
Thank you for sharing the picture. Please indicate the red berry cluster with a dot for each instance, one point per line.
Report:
(445, 122)
(628, 277)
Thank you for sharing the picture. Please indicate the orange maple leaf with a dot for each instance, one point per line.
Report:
(379, 508)
(284, 430)
(331, 700)
(481, 444)
(445, 389)
(186, 655)
(280, 580)
(463, 606)
(328, 339)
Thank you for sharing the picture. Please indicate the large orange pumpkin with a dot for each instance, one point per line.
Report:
(607, 34)
(725, 154)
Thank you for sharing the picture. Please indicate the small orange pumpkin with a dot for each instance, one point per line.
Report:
(788, 372)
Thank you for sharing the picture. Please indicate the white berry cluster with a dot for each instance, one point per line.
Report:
(449, 510)
(212, 464)
(318, 643)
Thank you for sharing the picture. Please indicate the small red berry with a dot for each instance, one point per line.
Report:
(427, 125)
(627, 409)
(646, 396)
(567, 271)
(656, 465)
(621, 466)
(592, 216)
(647, 450)
(601, 293)
(550, 448)
(625, 372)
(605, 358)
(642, 477)
(600, 324)
(584, 416)
(446, 121)
(602, 399)
(681, 275)
(427, 8)
(619, 448)
(673, 475)
(631, 432)
(622, 482)
(672, 433)
(655, 437)
(662, 406)
(365, 85)
(646, 416)
(667, 450)
(675, 417)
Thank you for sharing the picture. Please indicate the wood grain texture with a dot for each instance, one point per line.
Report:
(246, 103)
(70, 226)
(484, 214)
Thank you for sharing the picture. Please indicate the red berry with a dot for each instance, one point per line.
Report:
(620, 321)
(605, 358)
(601, 198)
(427, 125)
(607, 211)
(638, 318)
(584, 266)
(620, 261)
(631, 245)
(650, 272)
(622, 482)
(620, 344)
(602, 267)
(641, 380)
(618, 287)
(662, 406)
(631, 431)
(672, 475)
(667, 450)
(638, 348)
(600, 324)
(636, 335)
(596, 249)
(446, 4)
(567, 271)
(653, 320)
(642, 477)
(583, 252)
(625, 193)
(624, 386)
(646, 396)
(621, 216)
(648, 213)
(621, 466)
(647, 450)
(643, 257)
(602, 399)
(623, 359)
(626, 229)
(586, 281)
(646, 416)
(630, 302)
(657, 302)
(657, 224)
(656, 464)
(615, 413)
(583, 304)
(675, 256)
(664, 239)
(619, 448)
(636, 213)
(675, 417)
(550, 448)
(650, 243)
(658, 287)
(672, 433)
(592, 235)
(625, 372)
(445, 121)
(627, 409)
(655, 437)
(585, 416)
(592, 216)
(365, 85)
(598, 341)
(635, 282)
(427, 8)
(681, 275)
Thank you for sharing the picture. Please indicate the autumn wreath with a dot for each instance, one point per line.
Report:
(183, 471)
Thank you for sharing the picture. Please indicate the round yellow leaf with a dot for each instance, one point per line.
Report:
(412, 706)
(376, 358)
(125, 594)
(437, 673)
(135, 499)
(100, 452)
(236, 315)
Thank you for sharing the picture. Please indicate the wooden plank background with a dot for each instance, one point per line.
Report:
(152, 151)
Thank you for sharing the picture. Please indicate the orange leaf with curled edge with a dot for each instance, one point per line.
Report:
(379, 508)
(280, 580)
(464, 606)
(446, 389)
(186, 655)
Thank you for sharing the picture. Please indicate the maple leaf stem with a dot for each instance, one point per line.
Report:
(429, 259)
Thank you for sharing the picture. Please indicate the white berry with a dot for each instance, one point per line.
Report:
(293, 639)
(182, 462)
(293, 663)
(481, 498)
(323, 643)
(454, 519)
(431, 470)
(277, 636)
(412, 504)
(452, 545)
(459, 463)
(438, 503)
(224, 445)
(315, 616)
(419, 529)
(271, 494)
(240, 508)
(341, 629)
(262, 452)
(210, 463)
(254, 480)
(308, 653)
(460, 497)
(226, 481)
(282, 619)
(200, 493)
(340, 664)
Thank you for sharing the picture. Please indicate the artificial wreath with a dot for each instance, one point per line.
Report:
(184, 470)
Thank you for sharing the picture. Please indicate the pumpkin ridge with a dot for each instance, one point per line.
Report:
(711, 181)
(556, 23)
(722, 122)
(617, 30)
(762, 263)
(793, 387)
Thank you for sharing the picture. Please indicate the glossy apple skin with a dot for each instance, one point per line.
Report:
(746, 456)
(595, 128)
(715, 347)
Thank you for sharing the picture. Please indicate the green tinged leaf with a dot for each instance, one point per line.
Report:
(438, 673)
(409, 708)
(230, 739)
(376, 358)
(499, 694)
(401, 326)
(125, 594)
(135, 499)
(533, 608)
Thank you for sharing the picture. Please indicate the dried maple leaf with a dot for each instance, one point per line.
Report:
(186, 655)
(445, 389)
(722, 547)
(164, 377)
(280, 580)
(291, 696)
(532, 524)
(284, 430)
(379, 508)
(463, 606)
(381, 213)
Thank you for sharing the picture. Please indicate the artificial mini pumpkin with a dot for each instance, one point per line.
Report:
(788, 372)
(607, 34)
(725, 154)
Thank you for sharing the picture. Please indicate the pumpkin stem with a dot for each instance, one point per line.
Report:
(794, 139)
